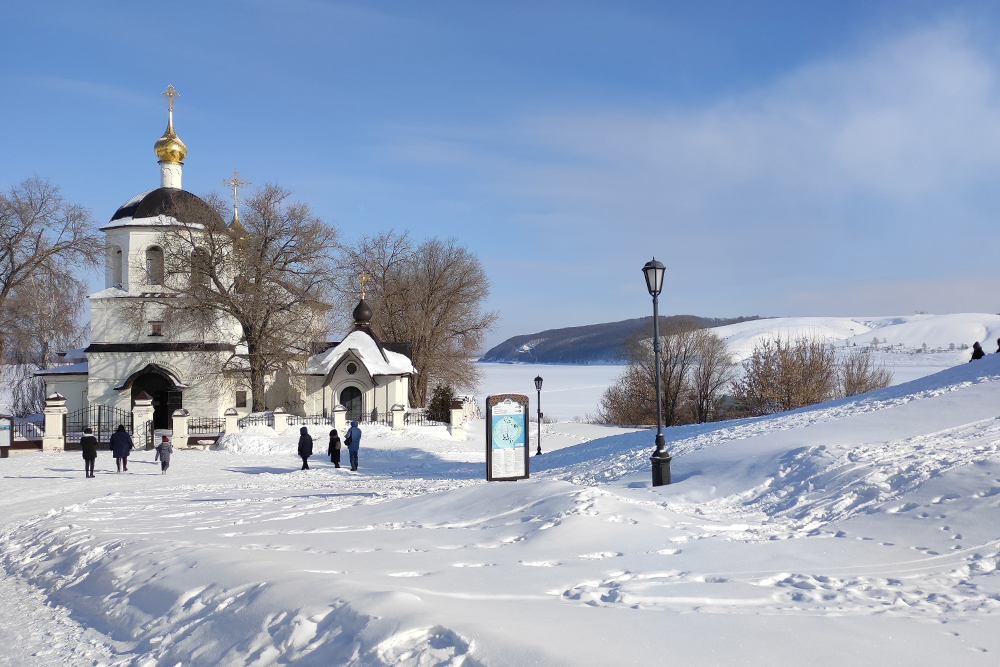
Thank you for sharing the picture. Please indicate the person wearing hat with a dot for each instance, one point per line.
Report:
(88, 443)
(121, 445)
(164, 450)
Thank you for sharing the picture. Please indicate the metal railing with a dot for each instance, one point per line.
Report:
(262, 419)
(29, 430)
(420, 419)
(206, 425)
(310, 420)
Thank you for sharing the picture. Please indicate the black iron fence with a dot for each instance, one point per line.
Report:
(310, 420)
(206, 425)
(103, 420)
(259, 419)
(420, 419)
(29, 430)
(375, 417)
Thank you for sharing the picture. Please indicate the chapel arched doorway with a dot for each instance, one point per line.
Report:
(350, 398)
(166, 397)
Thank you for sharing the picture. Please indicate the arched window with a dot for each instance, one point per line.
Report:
(154, 265)
(200, 267)
(116, 265)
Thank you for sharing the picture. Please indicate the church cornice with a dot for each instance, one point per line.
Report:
(159, 347)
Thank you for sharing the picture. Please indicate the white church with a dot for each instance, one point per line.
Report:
(122, 364)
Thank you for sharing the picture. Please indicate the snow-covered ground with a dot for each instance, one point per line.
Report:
(864, 531)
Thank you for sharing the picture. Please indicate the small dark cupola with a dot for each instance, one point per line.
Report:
(362, 312)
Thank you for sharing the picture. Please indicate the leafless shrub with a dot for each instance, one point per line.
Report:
(858, 373)
(782, 375)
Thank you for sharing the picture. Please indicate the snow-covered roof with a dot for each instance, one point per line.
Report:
(73, 356)
(69, 369)
(376, 360)
(154, 221)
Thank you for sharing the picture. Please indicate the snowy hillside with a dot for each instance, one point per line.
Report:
(864, 531)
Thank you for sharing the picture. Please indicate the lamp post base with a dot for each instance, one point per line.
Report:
(661, 469)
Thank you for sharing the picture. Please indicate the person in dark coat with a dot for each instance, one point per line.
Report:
(334, 450)
(353, 442)
(977, 352)
(89, 445)
(998, 346)
(305, 447)
(164, 450)
(121, 445)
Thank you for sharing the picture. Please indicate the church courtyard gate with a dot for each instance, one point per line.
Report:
(102, 419)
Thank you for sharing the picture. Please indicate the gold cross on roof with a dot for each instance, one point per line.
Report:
(363, 278)
(235, 183)
(170, 94)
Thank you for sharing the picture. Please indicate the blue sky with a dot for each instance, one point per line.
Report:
(783, 158)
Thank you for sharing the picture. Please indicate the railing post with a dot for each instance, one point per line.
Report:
(142, 412)
(340, 418)
(457, 420)
(280, 420)
(180, 434)
(232, 421)
(55, 411)
(398, 414)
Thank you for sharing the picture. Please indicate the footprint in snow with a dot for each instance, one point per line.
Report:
(540, 563)
(601, 555)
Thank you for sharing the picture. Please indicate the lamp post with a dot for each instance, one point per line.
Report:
(660, 459)
(538, 386)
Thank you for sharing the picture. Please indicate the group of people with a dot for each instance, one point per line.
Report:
(352, 440)
(121, 446)
(978, 353)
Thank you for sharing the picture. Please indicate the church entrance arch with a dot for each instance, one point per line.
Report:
(350, 398)
(166, 396)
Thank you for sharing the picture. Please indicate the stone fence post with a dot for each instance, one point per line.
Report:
(55, 411)
(398, 418)
(142, 412)
(340, 418)
(180, 430)
(232, 421)
(280, 420)
(457, 420)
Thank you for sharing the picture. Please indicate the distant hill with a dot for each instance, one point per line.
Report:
(590, 344)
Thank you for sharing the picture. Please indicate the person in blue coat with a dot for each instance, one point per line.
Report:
(305, 447)
(121, 445)
(353, 442)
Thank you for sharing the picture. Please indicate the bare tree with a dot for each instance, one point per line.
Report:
(429, 295)
(857, 373)
(711, 374)
(631, 399)
(781, 375)
(43, 318)
(265, 279)
(42, 237)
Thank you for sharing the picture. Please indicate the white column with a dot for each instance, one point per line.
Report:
(340, 418)
(54, 439)
(457, 420)
(142, 412)
(280, 420)
(180, 430)
(170, 174)
(232, 420)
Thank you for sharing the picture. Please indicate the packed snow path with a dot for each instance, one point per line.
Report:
(863, 530)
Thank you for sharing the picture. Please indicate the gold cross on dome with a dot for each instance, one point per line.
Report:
(363, 278)
(235, 183)
(170, 94)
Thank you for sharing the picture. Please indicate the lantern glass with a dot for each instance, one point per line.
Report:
(654, 276)
(538, 383)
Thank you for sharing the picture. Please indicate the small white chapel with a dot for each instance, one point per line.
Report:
(360, 372)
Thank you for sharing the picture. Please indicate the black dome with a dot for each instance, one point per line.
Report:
(173, 202)
(362, 313)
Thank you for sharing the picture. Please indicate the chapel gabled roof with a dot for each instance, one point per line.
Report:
(164, 206)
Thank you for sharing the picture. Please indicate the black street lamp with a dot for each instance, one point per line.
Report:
(661, 459)
(538, 386)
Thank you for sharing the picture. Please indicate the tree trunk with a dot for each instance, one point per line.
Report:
(257, 377)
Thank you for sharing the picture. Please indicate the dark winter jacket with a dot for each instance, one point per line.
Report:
(334, 442)
(165, 449)
(305, 442)
(977, 352)
(121, 443)
(354, 436)
(89, 445)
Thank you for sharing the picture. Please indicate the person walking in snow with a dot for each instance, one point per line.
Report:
(353, 442)
(121, 445)
(88, 443)
(998, 346)
(334, 450)
(305, 447)
(977, 352)
(164, 450)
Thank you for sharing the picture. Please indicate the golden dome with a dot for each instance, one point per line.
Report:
(169, 147)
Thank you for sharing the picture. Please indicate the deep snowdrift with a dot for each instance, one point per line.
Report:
(864, 530)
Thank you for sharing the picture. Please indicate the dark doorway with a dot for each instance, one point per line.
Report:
(350, 398)
(166, 398)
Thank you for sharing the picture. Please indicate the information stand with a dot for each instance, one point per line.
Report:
(6, 435)
(506, 437)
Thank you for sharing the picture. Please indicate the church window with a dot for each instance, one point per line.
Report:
(154, 266)
(156, 328)
(200, 268)
(116, 265)
(241, 399)
(352, 368)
